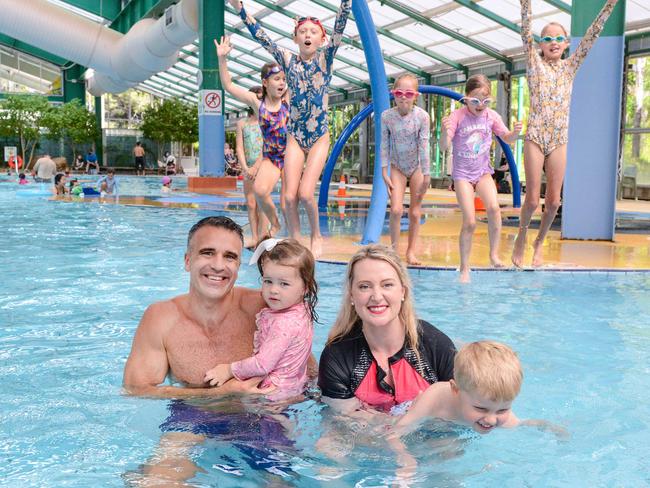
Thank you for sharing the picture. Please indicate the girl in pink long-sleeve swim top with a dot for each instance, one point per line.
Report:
(282, 342)
(470, 131)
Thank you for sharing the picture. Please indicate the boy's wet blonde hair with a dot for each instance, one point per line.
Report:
(490, 369)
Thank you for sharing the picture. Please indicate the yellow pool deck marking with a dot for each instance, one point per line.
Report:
(438, 246)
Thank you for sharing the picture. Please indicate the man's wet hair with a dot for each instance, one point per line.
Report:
(220, 222)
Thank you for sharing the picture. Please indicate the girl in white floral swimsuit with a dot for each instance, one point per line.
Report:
(550, 81)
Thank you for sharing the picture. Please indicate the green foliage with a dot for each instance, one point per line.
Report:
(22, 116)
(72, 122)
(170, 121)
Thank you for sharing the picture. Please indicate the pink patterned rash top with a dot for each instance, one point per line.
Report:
(281, 349)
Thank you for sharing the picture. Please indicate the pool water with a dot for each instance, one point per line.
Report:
(76, 278)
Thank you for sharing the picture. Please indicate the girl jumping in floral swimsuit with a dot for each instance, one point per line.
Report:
(550, 82)
(308, 76)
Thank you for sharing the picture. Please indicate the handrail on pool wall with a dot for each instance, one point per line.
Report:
(375, 221)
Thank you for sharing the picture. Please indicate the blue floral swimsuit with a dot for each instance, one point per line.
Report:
(308, 80)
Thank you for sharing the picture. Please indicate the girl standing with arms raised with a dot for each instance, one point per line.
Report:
(308, 74)
(550, 82)
(470, 129)
(272, 111)
(405, 145)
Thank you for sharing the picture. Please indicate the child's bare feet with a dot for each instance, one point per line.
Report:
(464, 276)
(316, 246)
(496, 262)
(518, 250)
(538, 259)
(412, 259)
(250, 243)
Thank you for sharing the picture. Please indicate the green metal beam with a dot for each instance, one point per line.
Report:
(136, 10)
(405, 42)
(391, 59)
(472, 5)
(31, 50)
(418, 17)
(561, 5)
(109, 9)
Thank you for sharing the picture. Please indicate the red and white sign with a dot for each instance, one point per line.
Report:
(211, 102)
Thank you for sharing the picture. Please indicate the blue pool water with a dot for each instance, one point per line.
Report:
(76, 278)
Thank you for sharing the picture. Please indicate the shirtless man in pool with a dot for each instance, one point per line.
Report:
(187, 335)
(213, 323)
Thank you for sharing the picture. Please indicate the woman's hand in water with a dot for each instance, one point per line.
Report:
(224, 48)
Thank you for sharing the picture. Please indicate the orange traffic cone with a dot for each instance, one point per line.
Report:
(478, 204)
(342, 191)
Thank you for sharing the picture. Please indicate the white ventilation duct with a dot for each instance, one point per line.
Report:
(119, 61)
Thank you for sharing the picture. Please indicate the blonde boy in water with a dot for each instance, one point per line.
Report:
(487, 379)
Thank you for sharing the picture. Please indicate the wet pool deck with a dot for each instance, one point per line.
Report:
(342, 226)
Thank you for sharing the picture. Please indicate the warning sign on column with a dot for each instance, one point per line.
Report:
(211, 102)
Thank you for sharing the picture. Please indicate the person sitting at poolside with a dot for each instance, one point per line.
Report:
(378, 353)
(92, 166)
(108, 185)
(170, 163)
(59, 184)
(79, 163)
(487, 379)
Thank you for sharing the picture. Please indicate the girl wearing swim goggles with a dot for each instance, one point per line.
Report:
(470, 130)
(271, 111)
(550, 78)
(309, 74)
(405, 148)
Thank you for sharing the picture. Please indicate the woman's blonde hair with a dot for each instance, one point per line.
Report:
(348, 317)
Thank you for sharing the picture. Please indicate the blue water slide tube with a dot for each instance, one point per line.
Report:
(381, 102)
(375, 221)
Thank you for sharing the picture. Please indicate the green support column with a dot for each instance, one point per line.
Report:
(211, 96)
(99, 143)
(74, 85)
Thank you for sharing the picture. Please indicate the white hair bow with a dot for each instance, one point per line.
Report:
(266, 245)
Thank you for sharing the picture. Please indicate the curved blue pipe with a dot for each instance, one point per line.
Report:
(381, 102)
(337, 148)
(354, 124)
